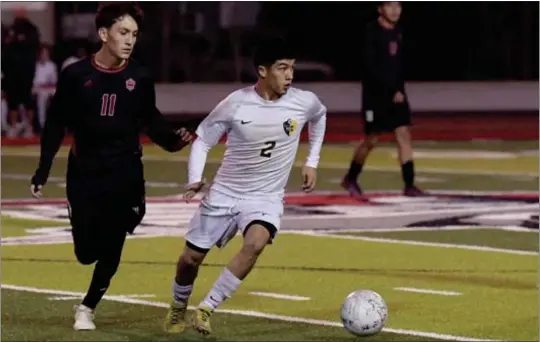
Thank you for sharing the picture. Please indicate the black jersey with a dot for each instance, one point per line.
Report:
(105, 110)
(383, 64)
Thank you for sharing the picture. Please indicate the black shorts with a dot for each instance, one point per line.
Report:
(19, 95)
(116, 201)
(386, 118)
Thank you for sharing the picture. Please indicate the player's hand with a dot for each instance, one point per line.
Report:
(399, 97)
(309, 178)
(36, 184)
(35, 187)
(193, 189)
(185, 135)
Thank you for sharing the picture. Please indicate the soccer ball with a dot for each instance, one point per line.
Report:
(364, 313)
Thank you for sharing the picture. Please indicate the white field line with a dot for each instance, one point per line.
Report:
(421, 243)
(248, 313)
(428, 291)
(432, 229)
(279, 296)
(121, 296)
(339, 166)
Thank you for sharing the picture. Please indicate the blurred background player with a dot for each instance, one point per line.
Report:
(104, 101)
(263, 125)
(79, 54)
(384, 101)
(20, 49)
(45, 80)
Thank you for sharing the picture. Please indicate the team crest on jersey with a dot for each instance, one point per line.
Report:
(289, 126)
(130, 84)
(393, 47)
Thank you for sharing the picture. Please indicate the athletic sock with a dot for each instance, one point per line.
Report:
(354, 170)
(223, 289)
(181, 293)
(101, 279)
(407, 171)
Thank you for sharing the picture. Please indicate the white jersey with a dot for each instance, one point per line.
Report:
(46, 74)
(262, 140)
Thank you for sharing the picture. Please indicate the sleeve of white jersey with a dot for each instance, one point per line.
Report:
(316, 131)
(210, 130)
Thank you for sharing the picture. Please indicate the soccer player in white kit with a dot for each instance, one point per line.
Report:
(263, 125)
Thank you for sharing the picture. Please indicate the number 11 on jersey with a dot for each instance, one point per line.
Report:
(108, 104)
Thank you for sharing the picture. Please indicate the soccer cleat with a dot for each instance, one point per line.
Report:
(413, 191)
(84, 318)
(175, 322)
(201, 320)
(352, 187)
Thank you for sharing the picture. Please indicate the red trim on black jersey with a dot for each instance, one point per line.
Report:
(107, 70)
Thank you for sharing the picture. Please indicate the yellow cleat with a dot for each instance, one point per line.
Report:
(175, 322)
(201, 320)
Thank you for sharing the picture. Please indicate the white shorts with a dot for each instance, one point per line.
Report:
(219, 218)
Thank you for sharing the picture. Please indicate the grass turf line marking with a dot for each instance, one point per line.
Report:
(248, 313)
(422, 243)
(428, 291)
(144, 295)
(339, 166)
(434, 229)
(279, 296)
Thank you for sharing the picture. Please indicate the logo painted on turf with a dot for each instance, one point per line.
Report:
(130, 84)
(327, 212)
(289, 127)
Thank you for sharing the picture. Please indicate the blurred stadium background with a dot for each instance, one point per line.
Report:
(472, 67)
(460, 264)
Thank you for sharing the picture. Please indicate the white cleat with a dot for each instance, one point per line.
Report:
(84, 318)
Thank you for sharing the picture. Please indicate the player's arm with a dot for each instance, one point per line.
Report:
(158, 128)
(375, 70)
(53, 132)
(316, 132)
(209, 132)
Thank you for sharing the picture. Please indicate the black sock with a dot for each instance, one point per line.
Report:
(407, 171)
(101, 279)
(106, 267)
(354, 170)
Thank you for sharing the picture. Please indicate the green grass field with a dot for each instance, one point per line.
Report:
(492, 273)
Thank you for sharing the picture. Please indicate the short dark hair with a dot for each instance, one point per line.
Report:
(109, 13)
(270, 50)
(382, 3)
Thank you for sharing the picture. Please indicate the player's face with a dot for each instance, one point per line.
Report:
(121, 37)
(44, 55)
(280, 75)
(391, 11)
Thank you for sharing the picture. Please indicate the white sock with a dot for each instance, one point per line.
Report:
(181, 293)
(223, 289)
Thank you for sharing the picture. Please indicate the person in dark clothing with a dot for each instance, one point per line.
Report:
(20, 55)
(385, 107)
(104, 101)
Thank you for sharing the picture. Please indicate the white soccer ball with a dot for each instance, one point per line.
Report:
(364, 313)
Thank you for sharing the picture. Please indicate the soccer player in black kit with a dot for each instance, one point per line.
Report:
(384, 101)
(105, 101)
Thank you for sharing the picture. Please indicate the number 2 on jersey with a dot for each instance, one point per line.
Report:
(108, 104)
(265, 152)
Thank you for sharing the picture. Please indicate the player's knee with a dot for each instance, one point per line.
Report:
(370, 141)
(403, 136)
(256, 237)
(85, 256)
(192, 256)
